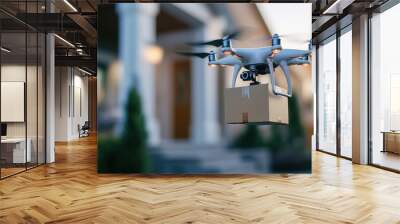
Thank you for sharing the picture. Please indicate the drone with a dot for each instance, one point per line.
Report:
(256, 61)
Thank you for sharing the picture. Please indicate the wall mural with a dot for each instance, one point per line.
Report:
(198, 88)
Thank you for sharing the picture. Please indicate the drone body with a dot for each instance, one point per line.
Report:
(255, 61)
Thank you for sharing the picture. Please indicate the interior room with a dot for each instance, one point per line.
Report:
(72, 103)
(385, 87)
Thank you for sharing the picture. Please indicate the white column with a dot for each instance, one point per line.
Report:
(50, 99)
(360, 90)
(62, 100)
(137, 32)
(205, 126)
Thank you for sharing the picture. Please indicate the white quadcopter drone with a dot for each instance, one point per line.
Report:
(256, 61)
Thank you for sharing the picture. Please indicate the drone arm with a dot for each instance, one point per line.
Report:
(228, 60)
(297, 61)
(236, 69)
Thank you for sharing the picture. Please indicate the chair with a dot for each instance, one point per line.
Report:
(84, 130)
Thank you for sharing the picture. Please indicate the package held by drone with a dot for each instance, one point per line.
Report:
(255, 104)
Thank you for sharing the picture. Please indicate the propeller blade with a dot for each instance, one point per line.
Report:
(215, 43)
(194, 54)
(269, 37)
(293, 37)
(233, 35)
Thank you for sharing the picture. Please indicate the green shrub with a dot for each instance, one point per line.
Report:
(288, 136)
(287, 143)
(127, 153)
(134, 138)
(250, 138)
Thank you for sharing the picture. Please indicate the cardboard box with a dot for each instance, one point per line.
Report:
(255, 104)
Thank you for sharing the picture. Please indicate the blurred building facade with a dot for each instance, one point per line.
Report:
(182, 97)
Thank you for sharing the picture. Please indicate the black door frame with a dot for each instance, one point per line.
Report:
(340, 30)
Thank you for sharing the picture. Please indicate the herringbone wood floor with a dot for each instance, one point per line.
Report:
(70, 191)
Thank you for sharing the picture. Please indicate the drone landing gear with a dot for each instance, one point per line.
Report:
(254, 78)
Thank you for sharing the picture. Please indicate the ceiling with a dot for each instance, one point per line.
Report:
(76, 22)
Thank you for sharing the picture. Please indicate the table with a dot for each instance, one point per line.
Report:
(391, 141)
(16, 147)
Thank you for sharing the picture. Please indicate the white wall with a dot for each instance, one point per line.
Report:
(12, 73)
(71, 87)
(79, 117)
(62, 81)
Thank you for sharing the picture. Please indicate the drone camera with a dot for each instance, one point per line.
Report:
(246, 76)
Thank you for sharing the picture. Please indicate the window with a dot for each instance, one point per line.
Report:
(327, 96)
(385, 89)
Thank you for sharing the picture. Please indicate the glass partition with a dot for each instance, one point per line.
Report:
(13, 106)
(22, 92)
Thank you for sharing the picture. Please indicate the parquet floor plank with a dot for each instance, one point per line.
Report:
(71, 191)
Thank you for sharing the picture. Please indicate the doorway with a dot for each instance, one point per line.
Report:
(182, 99)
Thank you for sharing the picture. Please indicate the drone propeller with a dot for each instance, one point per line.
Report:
(233, 35)
(296, 37)
(194, 54)
(217, 42)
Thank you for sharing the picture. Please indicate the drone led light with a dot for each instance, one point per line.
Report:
(227, 52)
(70, 5)
(276, 51)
